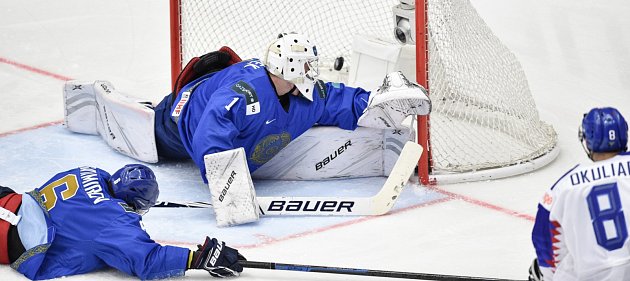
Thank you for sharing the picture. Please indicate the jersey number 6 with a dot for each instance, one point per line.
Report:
(70, 186)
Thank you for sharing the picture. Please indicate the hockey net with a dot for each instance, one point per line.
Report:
(484, 122)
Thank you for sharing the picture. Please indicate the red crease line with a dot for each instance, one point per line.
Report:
(31, 128)
(483, 204)
(41, 72)
(34, 69)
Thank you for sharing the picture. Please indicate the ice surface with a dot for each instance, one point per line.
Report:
(575, 54)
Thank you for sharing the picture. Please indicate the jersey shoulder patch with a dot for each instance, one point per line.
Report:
(251, 98)
(321, 88)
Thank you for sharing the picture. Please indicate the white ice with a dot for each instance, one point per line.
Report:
(576, 55)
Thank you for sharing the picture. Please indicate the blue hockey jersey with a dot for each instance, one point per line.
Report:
(239, 107)
(88, 229)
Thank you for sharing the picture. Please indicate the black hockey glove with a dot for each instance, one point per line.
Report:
(534, 272)
(216, 258)
(4, 191)
(208, 63)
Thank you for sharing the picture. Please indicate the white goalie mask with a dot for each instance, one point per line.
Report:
(293, 57)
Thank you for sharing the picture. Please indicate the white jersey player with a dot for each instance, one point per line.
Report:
(581, 229)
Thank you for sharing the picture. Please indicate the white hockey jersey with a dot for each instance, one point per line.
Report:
(581, 228)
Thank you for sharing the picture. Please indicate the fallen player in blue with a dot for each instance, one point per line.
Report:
(85, 219)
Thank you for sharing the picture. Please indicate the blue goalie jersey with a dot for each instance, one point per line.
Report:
(88, 229)
(239, 107)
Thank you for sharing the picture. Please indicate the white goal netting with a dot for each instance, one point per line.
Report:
(484, 116)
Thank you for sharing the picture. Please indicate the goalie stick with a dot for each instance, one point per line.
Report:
(378, 204)
(364, 272)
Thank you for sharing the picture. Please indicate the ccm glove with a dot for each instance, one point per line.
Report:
(396, 99)
(216, 258)
(534, 272)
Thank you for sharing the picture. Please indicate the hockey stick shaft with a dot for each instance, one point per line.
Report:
(168, 204)
(296, 206)
(378, 204)
(364, 272)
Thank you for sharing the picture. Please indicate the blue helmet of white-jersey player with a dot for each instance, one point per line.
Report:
(604, 130)
(293, 57)
(136, 185)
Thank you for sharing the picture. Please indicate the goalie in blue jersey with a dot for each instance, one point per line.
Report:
(85, 219)
(221, 103)
(581, 231)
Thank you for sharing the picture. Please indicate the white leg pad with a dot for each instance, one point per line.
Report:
(79, 103)
(326, 152)
(231, 186)
(126, 125)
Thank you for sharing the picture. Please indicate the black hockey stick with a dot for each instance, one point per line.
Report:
(364, 272)
(167, 204)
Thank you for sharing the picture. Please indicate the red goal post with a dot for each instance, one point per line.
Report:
(425, 164)
(484, 123)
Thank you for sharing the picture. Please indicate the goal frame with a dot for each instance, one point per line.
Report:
(176, 40)
(426, 175)
(424, 164)
(422, 77)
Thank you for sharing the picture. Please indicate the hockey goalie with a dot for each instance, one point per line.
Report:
(269, 117)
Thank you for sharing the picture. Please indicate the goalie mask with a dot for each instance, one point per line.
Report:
(293, 57)
(136, 185)
(603, 130)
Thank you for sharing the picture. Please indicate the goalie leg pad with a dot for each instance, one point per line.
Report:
(79, 104)
(126, 124)
(327, 152)
(231, 187)
(396, 99)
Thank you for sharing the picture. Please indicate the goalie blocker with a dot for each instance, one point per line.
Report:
(233, 194)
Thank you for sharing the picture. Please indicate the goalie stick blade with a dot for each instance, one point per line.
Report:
(398, 178)
(378, 204)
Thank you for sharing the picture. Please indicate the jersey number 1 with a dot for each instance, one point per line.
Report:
(607, 216)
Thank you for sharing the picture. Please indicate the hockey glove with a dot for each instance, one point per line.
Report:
(208, 63)
(4, 191)
(216, 258)
(534, 272)
(396, 99)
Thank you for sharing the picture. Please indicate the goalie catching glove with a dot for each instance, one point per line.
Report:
(216, 258)
(396, 99)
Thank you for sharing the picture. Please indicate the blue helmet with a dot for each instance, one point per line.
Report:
(136, 185)
(604, 130)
